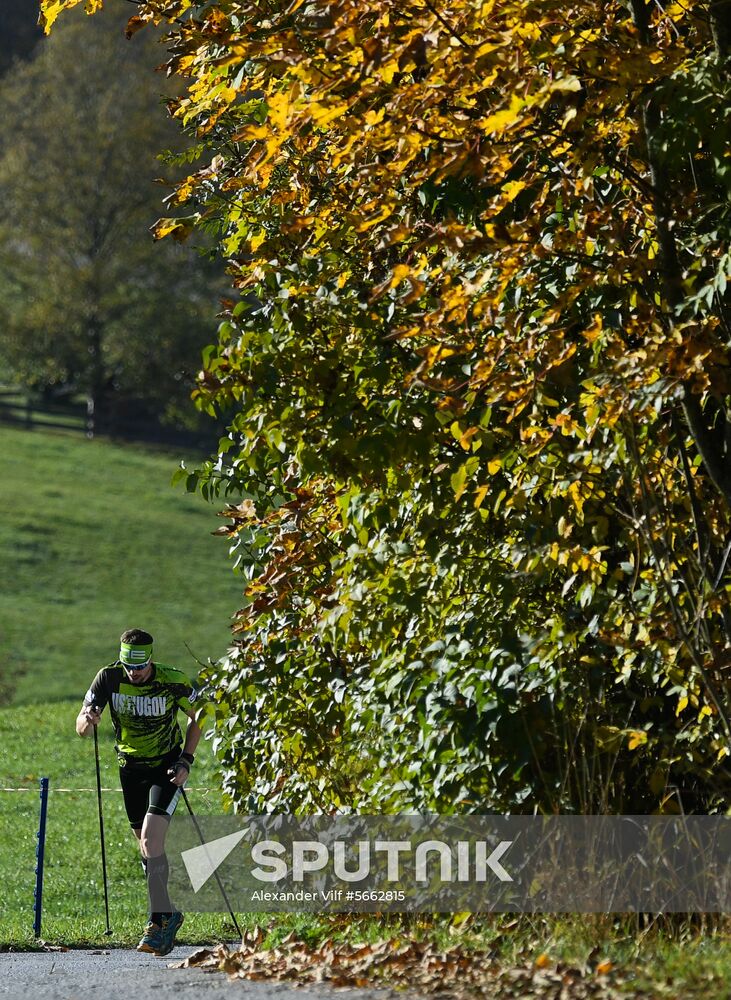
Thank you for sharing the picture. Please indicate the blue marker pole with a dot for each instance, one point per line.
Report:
(40, 852)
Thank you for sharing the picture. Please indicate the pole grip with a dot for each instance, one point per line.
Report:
(40, 855)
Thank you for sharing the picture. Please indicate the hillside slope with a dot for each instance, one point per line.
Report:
(93, 540)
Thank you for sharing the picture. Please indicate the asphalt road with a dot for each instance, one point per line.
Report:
(129, 975)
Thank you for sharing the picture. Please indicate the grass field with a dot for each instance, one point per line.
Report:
(39, 741)
(93, 540)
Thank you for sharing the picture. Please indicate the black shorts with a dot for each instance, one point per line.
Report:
(148, 789)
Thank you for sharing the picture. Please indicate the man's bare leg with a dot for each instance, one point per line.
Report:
(152, 846)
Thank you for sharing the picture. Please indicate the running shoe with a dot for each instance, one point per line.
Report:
(152, 939)
(170, 927)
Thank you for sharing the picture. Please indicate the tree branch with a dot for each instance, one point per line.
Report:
(453, 31)
(714, 462)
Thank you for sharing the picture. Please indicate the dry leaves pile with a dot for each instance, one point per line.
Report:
(411, 965)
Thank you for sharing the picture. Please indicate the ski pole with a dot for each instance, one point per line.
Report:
(215, 873)
(101, 826)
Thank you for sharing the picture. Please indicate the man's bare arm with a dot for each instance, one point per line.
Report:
(86, 720)
(180, 770)
(192, 733)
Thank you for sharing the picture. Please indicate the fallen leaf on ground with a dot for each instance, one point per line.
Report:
(455, 972)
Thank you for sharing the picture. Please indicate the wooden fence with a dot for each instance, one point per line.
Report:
(24, 410)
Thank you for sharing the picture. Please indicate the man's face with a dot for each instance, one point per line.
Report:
(138, 675)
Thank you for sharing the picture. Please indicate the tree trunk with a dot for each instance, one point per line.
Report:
(96, 385)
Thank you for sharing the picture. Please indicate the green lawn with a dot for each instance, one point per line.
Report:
(93, 540)
(40, 741)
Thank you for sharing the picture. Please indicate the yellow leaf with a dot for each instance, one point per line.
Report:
(322, 114)
(512, 189)
(466, 438)
(594, 331)
(637, 738)
(493, 465)
(278, 107)
(374, 117)
(400, 272)
(574, 492)
(543, 961)
(437, 353)
(388, 71)
(50, 9)
(486, 48)
(530, 31)
(501, 119)
(179, 229)
(378, 216)
(682, 704)
(604, 967)
(251, 132)
(49, 13)
(479, 496)
(669, 806)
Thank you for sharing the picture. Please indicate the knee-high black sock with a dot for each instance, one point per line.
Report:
(143, 863)
(157, 885)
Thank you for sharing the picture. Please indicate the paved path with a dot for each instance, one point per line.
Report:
(120, 974)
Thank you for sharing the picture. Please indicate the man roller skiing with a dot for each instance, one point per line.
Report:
(144, 698)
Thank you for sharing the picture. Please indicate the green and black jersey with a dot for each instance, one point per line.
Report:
(145, 716)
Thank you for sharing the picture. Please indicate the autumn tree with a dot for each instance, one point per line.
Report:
(87, 301)
(479, 466)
